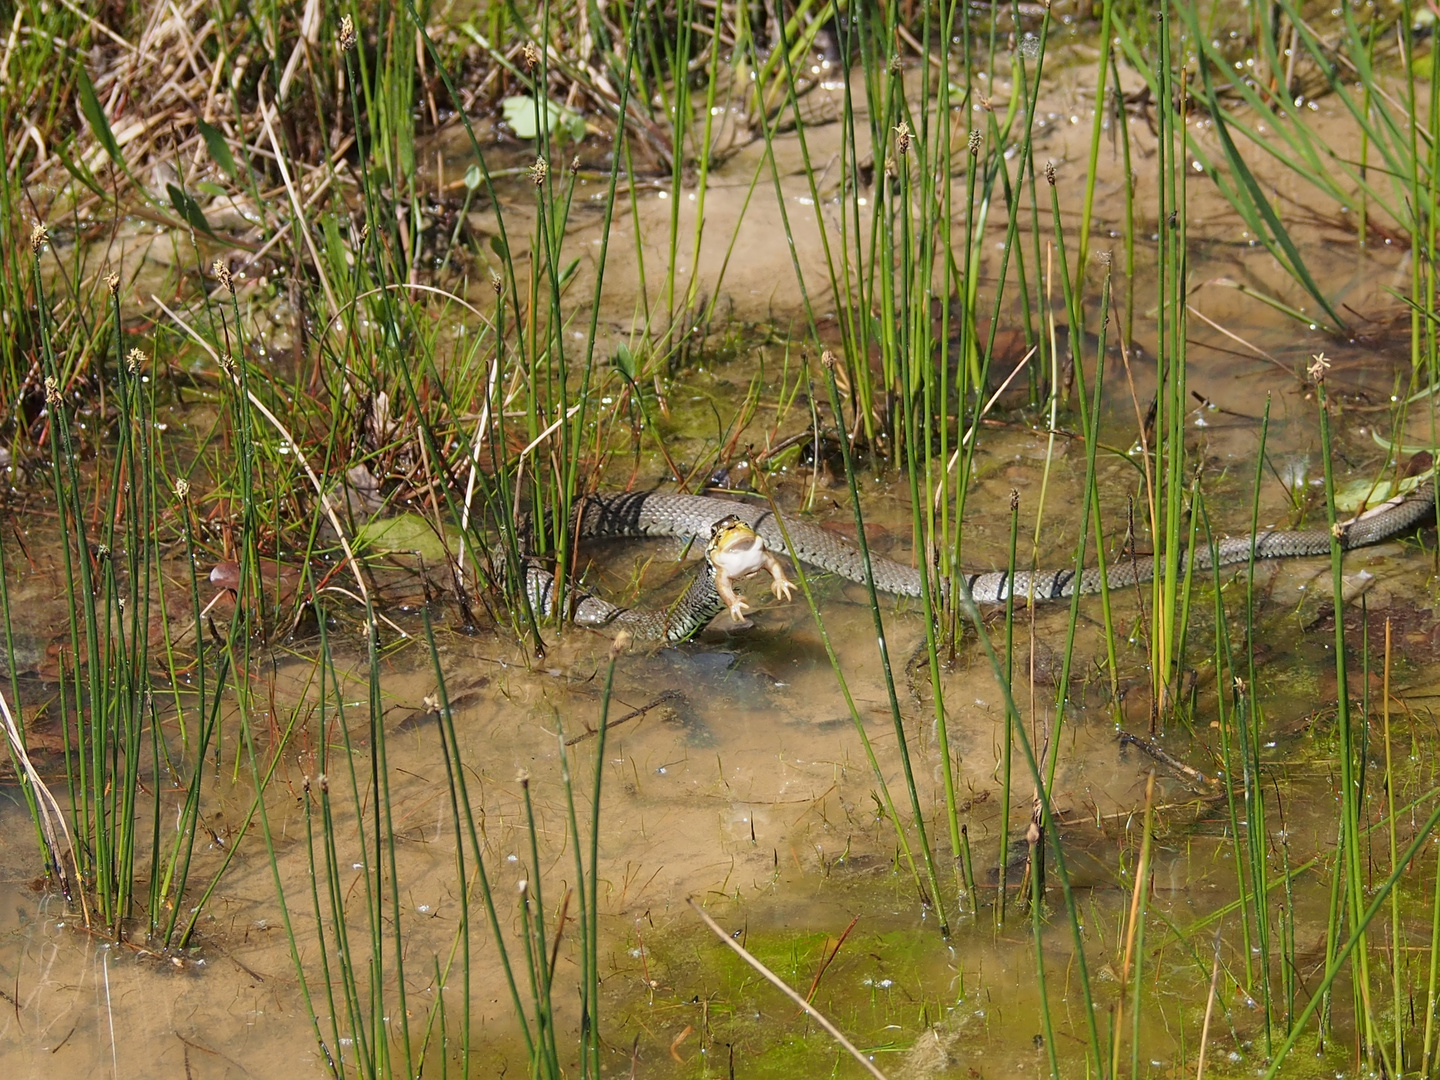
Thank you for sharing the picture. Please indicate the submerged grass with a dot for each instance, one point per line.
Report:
(316, 127)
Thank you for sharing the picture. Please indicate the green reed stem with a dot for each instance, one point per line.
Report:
(94, 823)
(803, 580)
(901, 743)
(1432, 981)
(1350, 797)
(1087, 513)
(1007, 748)
(1334, 965)
(1048, 824)
(1142, 887)
(590, 1037)
(1397, 929)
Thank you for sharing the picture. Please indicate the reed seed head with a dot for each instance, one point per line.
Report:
(530, 55)
(39, 236)
(182, 489)
(902, 138)
(495, 282)
(1014, 501)
(539, 171)
(52, 391)
(112, 282)
(621, 644)
(974, 143)
(1050, 173)
(896, 64)
(133, 360)
(828, 360)
(223, 275)
(227, 365)
(347, 33)
(1317, 368)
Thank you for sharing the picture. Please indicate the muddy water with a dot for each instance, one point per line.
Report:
(747, 787)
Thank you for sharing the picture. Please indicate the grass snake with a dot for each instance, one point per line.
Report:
(741, 535)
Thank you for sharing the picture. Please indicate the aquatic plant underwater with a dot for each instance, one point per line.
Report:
(322, 322)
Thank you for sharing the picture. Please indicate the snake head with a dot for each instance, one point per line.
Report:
(735, 551)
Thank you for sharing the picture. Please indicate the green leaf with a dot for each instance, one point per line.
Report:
(1361, 495)
(404, 533)
(1248, 198)
(218, 147)
(215, 191)
(189, 209)
(95, 117)
(77, 169)
(625, 362)
(521, 114)
(472, 177)
(498, 246)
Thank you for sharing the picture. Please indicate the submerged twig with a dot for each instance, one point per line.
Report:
(668, 695)
(1160, 754)
(784, 988)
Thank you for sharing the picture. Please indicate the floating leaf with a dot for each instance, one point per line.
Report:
(521, 114)
(408, 533)
(218, 147)
(1360, 495)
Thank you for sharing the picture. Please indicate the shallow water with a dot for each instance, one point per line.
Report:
(747, 787)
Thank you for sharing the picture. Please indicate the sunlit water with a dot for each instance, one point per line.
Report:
(745, 785)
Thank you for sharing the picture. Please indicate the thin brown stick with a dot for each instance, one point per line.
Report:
(668, 695)
(1209, 1009)
(1132, 923)
(829, 959)
(781, 985)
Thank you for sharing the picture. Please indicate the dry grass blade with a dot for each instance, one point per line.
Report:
(274, 420)
(781, 985)
(299, 210)
(50, 812)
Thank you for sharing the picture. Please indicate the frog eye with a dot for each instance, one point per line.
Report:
(729, 521)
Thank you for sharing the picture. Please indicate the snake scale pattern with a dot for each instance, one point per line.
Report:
(690, 517)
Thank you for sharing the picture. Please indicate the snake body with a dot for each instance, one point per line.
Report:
(691, 517)
(681, 621)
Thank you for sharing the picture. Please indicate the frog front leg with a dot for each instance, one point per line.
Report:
(733, 601)
(780, 585)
